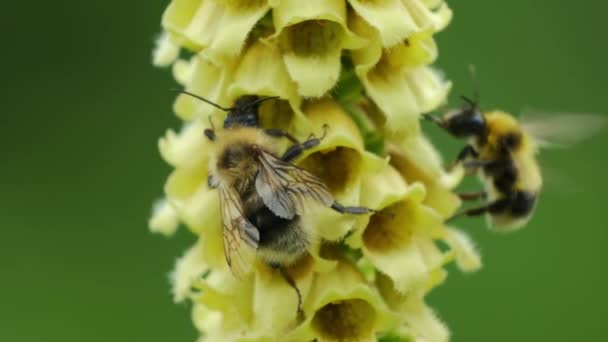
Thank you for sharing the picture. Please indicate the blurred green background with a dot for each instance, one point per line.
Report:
(83, 109)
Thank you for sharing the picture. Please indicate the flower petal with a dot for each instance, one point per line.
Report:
(222, 310)
(205, 79)
(262, 72)
(404, 95)
(341, 306)
(164, 218)
(429, 14)
(389, 17)
(218, 27)
(395, 242)
(201, 213)
(397, 79)
(421, 322)
(311, 36)
(466, 254)
(187, 269)
(418, 161)
(275, 302)
(187, 149)
(166, 51)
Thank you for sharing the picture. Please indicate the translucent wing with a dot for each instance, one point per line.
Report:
(240, 236)
(561, 129)
(285, 188)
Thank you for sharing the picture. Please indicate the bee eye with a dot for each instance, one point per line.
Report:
(511, 140)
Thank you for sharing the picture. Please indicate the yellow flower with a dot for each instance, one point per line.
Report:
(420, 322)
(343, 306)
(220, 28)
(357, 74)
(312, 35)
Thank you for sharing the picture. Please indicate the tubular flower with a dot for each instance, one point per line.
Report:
(357, 75)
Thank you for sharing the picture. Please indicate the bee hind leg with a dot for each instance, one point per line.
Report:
(472, 196)
(495, 207)
(292, 283)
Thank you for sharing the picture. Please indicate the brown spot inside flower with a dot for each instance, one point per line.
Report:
(336, 167)
(389, 228)
(311, 37)
(411, 171)
(301, 267)
(347, 320)
(275, 114)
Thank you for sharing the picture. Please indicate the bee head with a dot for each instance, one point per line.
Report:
(244, 112)
(467, 122)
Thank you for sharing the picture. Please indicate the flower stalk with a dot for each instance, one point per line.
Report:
(363, 69)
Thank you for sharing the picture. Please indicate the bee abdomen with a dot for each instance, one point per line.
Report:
(281, 240)
(504, 175)
(523, 203)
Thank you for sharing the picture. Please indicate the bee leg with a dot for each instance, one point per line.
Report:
(436, 120)
(495, 207)
(474, 164)
(325, 129)
(210, 134)
(279, 133)
(292, 283)
(472, 196)
(466, 152)
(351, 210)
(295, 150)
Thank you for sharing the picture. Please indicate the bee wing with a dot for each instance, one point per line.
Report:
(241, 237)
(285, 188)
(561, 129)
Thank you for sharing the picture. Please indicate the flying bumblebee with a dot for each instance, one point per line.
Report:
(502, 151)
(262, 195)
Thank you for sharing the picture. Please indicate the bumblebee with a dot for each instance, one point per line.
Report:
(263, 196)
(502, 151)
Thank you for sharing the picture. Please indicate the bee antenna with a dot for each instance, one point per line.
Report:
(262, 100)
(204, 100)
(472, 103)
(473, 77)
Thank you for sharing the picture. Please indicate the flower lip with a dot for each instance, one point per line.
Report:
(345, 320)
